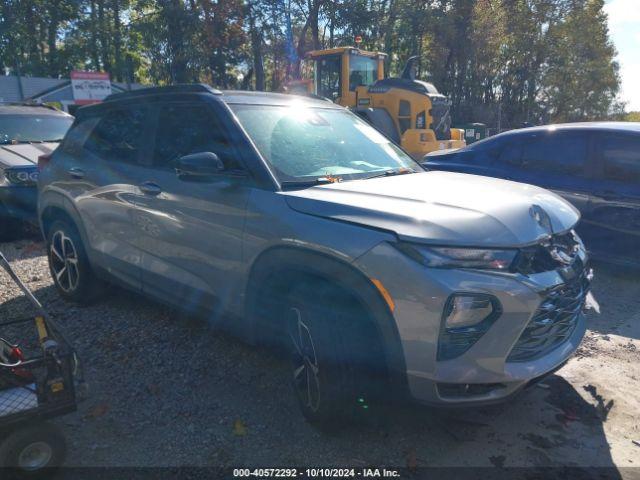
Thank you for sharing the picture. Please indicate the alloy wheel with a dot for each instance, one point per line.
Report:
(64, 261)
(305, 361)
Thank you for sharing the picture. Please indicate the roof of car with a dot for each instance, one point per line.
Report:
(582, 126)
(625, 126)
(270, 98)
(29, 109)
(227, 96)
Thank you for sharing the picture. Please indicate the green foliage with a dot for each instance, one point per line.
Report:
(499, 61)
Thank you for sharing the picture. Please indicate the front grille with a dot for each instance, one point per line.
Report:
(554, 321)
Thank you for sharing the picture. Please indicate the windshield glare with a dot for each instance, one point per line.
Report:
(303, 144)
(33, 128)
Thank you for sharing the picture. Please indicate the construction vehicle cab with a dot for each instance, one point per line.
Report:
(410, 112)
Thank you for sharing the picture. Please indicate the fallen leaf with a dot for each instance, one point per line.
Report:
(239, 428)
(153, 389)
(412, 460)
(97, 411)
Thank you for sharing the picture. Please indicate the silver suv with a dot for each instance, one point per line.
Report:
(298, 223)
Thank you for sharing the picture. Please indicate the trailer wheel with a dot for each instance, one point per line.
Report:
(33, 450)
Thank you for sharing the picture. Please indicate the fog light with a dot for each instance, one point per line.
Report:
(466, 311)
(466, 317)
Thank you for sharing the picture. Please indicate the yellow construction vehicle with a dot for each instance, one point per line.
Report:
(408, 111)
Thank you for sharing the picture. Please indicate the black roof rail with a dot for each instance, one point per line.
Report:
(179, 88)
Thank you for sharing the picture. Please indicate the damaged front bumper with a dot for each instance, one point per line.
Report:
(540, 325)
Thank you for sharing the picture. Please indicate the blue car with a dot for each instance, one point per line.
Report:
(595, 166)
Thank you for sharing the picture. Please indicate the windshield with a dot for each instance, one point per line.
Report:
(33, 128)
(305, 144)
(363, 71)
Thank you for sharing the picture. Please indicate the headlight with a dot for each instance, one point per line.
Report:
(454, 257)
(21, 176)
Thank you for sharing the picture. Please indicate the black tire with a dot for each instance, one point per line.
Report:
(333, 359)
(69, 266)
(35, 450)
(10, 228)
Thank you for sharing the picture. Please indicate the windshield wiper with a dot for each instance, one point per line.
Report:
(293, 184)
(391, 173)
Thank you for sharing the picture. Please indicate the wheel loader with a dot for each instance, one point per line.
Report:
(410, 112)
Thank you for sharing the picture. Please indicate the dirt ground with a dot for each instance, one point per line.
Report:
(166, 391)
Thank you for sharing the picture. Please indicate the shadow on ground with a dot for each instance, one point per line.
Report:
(169, 391)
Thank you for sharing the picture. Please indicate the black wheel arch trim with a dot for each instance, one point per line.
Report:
(57, 202)
(345, 276)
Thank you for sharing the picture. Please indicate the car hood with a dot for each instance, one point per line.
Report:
(24, 154)
(442, 208)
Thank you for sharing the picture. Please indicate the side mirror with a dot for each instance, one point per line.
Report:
(199, 165)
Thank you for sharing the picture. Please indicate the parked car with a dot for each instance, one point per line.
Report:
(306, 226)
(26, 132)
(595, 166)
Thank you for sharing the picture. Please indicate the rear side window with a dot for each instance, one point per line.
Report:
(189, 128)
(118, 135)
(78, 134)
(557, 152)
(621, 158)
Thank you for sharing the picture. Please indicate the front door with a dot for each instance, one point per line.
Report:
(192, 229)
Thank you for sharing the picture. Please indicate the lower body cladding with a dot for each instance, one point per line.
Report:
(532, 325)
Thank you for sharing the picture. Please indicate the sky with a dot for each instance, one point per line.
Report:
(624, 29)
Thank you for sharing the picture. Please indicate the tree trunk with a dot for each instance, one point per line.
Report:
(256, 48)
(104, 36)
(94, 53)
(52, 36)
(117, 40)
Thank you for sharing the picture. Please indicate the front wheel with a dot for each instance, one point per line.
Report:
(331, 352)
(33, 450)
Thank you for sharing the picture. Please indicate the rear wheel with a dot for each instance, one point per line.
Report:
(332, 353)
(34, 450)
(70, 269)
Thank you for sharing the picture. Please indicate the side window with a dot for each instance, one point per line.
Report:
(621, 158)
(78, 134)
(511, 154)
(189, 128)
(563, 153)
(329, 77)
(118, 135)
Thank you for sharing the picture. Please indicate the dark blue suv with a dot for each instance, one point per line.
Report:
(595, 166)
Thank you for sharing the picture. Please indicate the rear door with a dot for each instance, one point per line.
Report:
(192, 230)
(615, 219)
(103, 171)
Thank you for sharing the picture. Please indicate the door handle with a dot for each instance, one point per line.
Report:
(76, 172)
(150, 188)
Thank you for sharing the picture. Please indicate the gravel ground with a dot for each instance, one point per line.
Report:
(169, 391)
